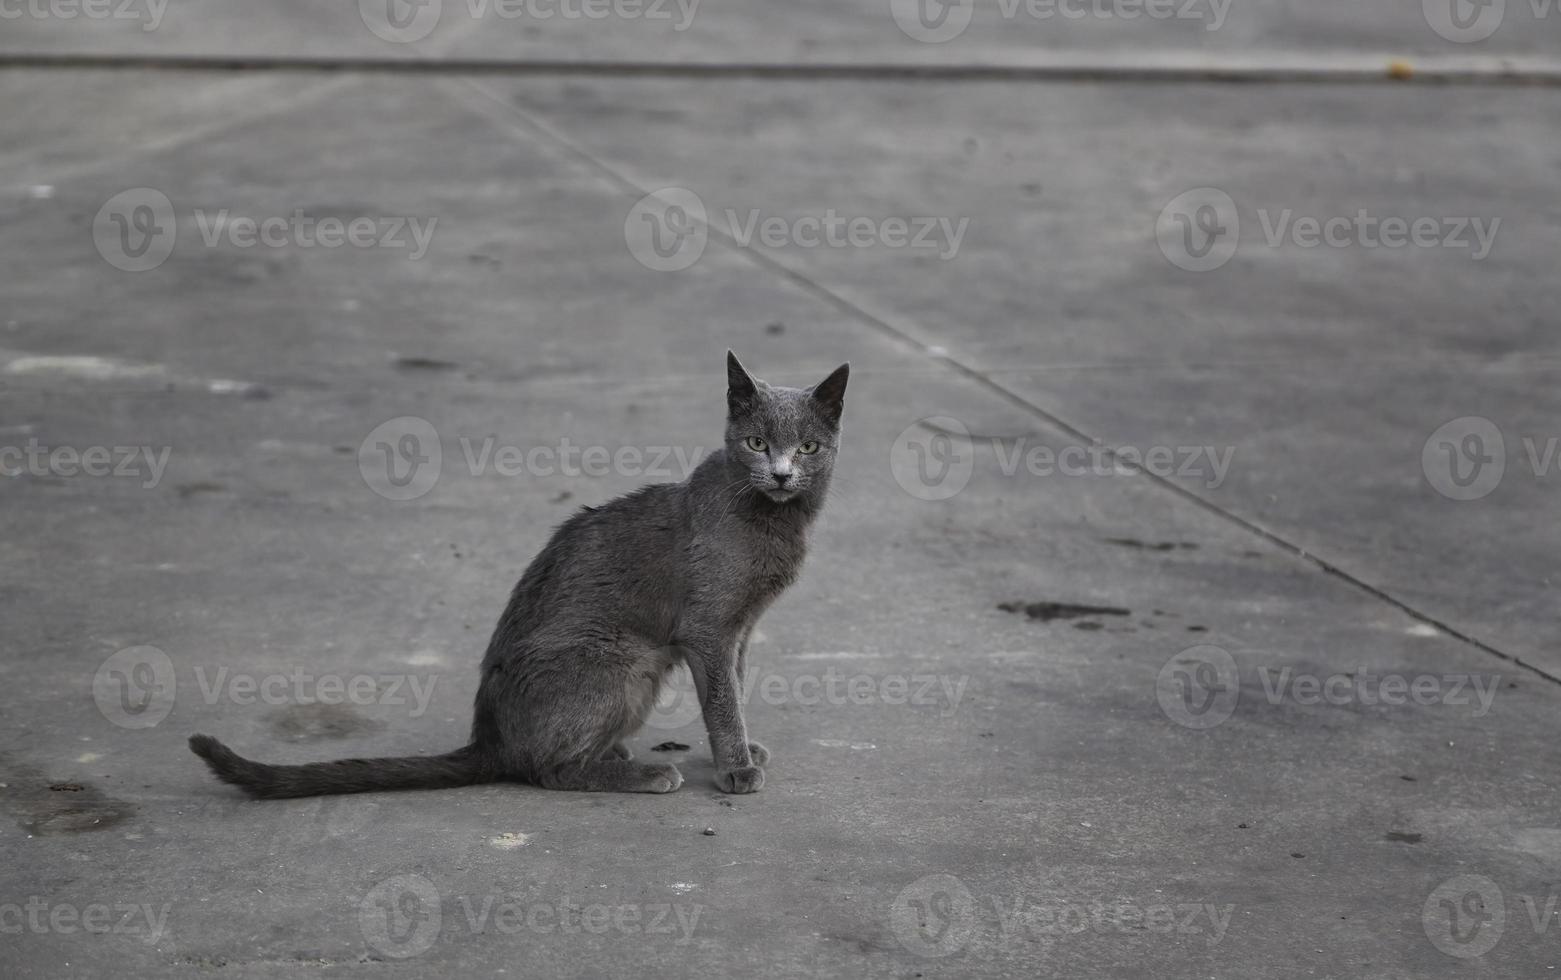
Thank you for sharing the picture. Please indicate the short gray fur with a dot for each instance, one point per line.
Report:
(619, 597)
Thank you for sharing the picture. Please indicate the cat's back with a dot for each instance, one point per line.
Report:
(617, 557)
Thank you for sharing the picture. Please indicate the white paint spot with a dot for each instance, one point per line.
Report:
(40, 192)
(1423, 629)
(89, 757)
(424, 658)
(683, 887)
(840, 743)
(227, 386)
(936, 351)
(92, 368)
(837, 655)
(510, 840)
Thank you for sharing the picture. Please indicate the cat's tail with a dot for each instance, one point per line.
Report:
(463, 767)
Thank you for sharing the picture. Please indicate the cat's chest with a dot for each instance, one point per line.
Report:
(756, 565)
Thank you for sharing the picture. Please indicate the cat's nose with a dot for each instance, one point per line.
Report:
(781, 479)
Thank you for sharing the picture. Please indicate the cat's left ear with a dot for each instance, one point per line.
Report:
(830, 394)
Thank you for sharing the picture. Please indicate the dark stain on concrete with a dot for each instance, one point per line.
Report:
(424, 364)
(1401, 837)
(47, 807)
(1048, 611)
(669, 747)
(1152, 545)
(318, 721)
(188, 490)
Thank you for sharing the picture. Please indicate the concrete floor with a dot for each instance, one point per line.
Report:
(1270, 692)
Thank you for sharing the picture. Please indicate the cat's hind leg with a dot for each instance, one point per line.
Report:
(612, 776)
(619, 750)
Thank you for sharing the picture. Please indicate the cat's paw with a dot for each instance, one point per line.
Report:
(747, 779)
(619, 751)
(663, 779)
(761, 755)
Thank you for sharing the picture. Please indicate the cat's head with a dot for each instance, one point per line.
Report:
(785, 437)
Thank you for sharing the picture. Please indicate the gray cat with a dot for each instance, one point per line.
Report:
(622, 593)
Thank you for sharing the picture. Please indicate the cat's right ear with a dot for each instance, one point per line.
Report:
(741, 389)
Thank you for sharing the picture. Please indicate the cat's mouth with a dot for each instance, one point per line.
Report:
(781, 494)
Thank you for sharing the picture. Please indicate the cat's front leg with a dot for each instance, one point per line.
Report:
(760, 754)
(715, 678)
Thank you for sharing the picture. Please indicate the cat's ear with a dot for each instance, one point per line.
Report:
(741, 389)
(830, 394)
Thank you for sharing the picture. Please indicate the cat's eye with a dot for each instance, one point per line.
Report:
(808, 448)
(756, 444)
